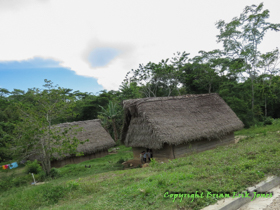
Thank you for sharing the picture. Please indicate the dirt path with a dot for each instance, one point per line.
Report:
(272, 203)
(132, 164)
(265, 203)
(275, 205)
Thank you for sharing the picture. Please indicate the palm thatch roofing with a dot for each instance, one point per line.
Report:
(99, 138)
(153, 122)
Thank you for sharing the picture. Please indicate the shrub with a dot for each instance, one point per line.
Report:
(33, 167)
(40, 177)
(259, 124)
(73, 185)
(54, 173)
(23, 180)
(268, 121)
(121, 160)
(276, 121)
(6, 182)
(153, 162)
(52, 194)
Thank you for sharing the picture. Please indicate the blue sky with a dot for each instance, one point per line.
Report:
(103, 40)
(102, 56)
(31, 73)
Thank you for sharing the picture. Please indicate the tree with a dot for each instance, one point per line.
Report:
(268, 63)
(144, 76)
(110, 113)
(242, 36)
(35, 134)
(3, 92)
(129, 90)
(209, 65)
(6, 129)
(159, 79)
(178, 63)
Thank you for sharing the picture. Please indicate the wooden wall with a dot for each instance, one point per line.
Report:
(74, 160)
(165, 153)
(136, 152)
(199, 146)
(172, 151)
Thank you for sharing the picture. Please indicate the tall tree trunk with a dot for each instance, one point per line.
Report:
(253, 96)
(265, 107)
(45, 160)
(48, 166)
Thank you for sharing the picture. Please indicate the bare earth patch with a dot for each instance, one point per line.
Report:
(132, 164)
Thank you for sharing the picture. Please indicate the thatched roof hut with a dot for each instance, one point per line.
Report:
(97, 146)
(156, 122)
(99, 138)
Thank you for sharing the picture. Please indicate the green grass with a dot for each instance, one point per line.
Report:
(230, 168)
(260, 129)
(98, 165)
(18, 177)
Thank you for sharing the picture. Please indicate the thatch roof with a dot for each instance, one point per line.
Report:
(99, 138)
(152, 122)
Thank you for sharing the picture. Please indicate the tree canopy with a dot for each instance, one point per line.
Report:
(246, 78)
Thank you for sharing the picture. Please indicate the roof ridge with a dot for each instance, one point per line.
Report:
(153, 99)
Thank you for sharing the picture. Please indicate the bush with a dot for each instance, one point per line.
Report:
(54, 173)
(22, 180)
(118, 143)
(276, 121)
(9, 181)
(40, 177)
(153, 162)
(121, 160)
(33, 167)
(6, 182)
(268, 121)
(52, 194)
(73, 185)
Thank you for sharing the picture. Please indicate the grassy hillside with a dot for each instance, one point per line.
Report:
(105, 186)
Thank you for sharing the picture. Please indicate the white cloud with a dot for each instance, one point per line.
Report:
(68, 30)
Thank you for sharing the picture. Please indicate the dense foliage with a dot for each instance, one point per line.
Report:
(247, 79)
(226, 169)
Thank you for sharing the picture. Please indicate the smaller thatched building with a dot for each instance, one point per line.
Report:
(97, 146)
(174, 126)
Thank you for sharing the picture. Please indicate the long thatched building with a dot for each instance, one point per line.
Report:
(97, 146)
(174, 126)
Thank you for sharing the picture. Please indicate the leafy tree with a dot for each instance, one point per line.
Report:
(242, 36)
(110, 114)
(144, 76)
(88, 106)
(178, 62)
(209, 65)
(6, 129)
(236, 95)
(35, 134)
(4, 92)
(130, 90)
(161, 79)
(268, 62)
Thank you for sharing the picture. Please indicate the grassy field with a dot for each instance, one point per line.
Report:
(105, 185)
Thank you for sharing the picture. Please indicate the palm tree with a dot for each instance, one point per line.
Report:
(110, 113)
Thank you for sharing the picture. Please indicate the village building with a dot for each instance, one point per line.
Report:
(97, 146)
(172, 126)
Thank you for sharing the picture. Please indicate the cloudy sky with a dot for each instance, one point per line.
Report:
(90, 45)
